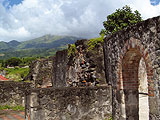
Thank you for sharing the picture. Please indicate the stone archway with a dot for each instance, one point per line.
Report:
(134, 87)
(122, 51)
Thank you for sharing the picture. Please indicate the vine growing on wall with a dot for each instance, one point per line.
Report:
(94, 42)
(72, 50)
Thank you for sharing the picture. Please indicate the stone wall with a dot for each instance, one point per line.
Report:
(86, 67)
(82, 69)
(123, 51)
(87, 103)
(41, 73)
(60, 69)
(13, 93)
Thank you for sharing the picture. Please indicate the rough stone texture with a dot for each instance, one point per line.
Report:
(123, 51)
(60, 69)
(142, 75)
(85, 68)
(41, 73)
(87, 103)
(13, 93)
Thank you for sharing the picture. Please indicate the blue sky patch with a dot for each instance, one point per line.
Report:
(10, 3)
(155, 2)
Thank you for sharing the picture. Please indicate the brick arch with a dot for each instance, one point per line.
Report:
(143, 39)
(134, 46)
(128, 81)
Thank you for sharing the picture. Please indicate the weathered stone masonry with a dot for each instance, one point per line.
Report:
(63, 70)
(87, 103)
(123, 51)
(41, 73)
(60, 69)
(13, 93)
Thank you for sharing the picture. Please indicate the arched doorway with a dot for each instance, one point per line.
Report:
(134, 87)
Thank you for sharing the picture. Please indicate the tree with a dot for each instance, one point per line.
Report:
(120, 19)
(13, 61)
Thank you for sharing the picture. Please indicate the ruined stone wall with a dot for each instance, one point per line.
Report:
(41, 73)
(126, 47)
(87, 103)
(13, 93)
(60, 69)
(86, 67)
(83, 69)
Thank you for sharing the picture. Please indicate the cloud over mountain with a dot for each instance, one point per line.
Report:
(81, 18)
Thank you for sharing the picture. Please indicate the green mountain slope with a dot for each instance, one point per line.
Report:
(40, 47)
(47, 41)
(4, 46)
(13, 43)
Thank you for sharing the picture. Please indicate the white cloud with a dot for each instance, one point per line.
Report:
(144, 7)
(82, 18)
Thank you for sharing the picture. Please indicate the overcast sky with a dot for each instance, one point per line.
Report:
(27, 19)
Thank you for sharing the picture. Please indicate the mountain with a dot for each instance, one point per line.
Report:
(39, 47)
(4, 45)
(48, 41)
(13, 43)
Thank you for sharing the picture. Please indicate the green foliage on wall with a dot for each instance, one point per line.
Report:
(93, 42)
(71, 50)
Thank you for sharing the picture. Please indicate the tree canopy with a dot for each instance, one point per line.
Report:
(120, 19)
(13, 61)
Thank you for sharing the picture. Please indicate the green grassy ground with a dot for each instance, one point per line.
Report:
(7, 107)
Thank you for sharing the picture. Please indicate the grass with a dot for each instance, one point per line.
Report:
(15, 108)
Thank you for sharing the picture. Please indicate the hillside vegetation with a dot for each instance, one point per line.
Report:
(15, 68)
(43, 46)
(16, 74)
